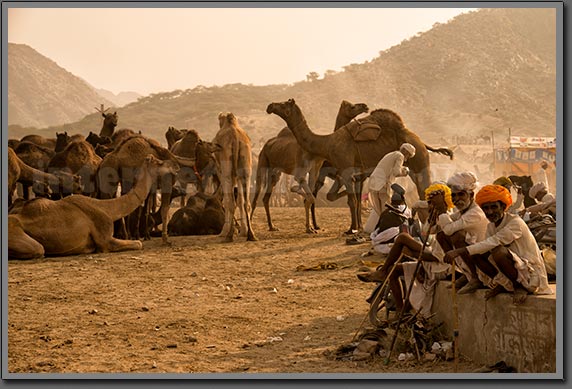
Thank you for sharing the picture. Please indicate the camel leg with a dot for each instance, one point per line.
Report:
(347, 181)
(271, 183)
(165, 204)
(243, 200)
(20, 244)
(115, 245)
(229, 205)
(309, 200)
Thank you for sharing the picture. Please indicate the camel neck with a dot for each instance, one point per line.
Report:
(309, 141)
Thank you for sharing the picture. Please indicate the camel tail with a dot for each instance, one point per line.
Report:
(443, 150)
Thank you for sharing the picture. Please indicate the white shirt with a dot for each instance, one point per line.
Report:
(390, 166)
(514, 233)
(473, 222)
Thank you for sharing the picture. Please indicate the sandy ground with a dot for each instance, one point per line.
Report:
(200, 306)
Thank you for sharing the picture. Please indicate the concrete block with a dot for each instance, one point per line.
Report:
(490, 331)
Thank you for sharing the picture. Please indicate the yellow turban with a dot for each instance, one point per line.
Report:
(492, 193)
(503, 181)
(440, 187)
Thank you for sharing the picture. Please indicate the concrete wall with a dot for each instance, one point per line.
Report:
(490, 331)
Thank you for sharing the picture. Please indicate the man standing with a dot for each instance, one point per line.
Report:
(467, 225)
(510, 246)
(380, 180)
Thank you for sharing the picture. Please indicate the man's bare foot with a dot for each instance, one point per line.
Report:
(494, 291)
(519, 296)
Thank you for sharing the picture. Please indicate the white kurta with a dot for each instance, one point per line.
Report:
(389, 167)
(473, 223)
(513, 233)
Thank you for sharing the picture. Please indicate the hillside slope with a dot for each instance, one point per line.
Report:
(484, 71)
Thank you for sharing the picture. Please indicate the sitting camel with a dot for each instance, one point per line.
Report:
(234, 165)
(202, 215)
(283, 154)
(79, 224)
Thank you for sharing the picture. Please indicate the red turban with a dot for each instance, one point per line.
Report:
(492, 193)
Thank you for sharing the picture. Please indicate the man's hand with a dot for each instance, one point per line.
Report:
(451, 255)
(437, 204)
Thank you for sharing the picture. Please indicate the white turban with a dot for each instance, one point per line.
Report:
(533, 191)
(409, 148)
(463, 181)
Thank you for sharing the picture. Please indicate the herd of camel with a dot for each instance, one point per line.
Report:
(100, 193)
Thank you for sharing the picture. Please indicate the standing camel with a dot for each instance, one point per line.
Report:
(350, 156)
(234, 165)
(120, 167)
(79, 224)
(283, 154)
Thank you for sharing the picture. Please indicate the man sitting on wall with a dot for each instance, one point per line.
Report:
(509, 255)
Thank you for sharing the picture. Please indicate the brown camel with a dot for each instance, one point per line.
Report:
(44, 184)
(202, 215)
(120, 165)
(63, 139)
(234, 165)
(39, 140)
(35, 156)
(283, 154)
(350, 157)
(78, 158)
(186, 147)
(79, 224)
(109, 123)
(173, 135)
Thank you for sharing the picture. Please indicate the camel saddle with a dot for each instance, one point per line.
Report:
(363, 130)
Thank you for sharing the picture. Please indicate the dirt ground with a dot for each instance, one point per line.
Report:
(200, 306)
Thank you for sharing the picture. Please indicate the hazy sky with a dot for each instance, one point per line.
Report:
(162, 49)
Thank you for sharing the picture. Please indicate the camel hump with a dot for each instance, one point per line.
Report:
(363, 130)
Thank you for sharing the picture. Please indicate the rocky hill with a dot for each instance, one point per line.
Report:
(41, 93)
(482, 72)
(120, 99)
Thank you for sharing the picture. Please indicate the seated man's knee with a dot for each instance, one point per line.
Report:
(499, 253)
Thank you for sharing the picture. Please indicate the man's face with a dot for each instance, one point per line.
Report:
(493, 211)
(461, 199)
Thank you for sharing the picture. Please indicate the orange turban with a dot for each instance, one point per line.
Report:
(492, 193)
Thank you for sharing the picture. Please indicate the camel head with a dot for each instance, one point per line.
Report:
(95, 139)
(227, 119)
(109, 119)
(352, 110)
(285, 109)
(62, 139)
(174, 133)
(67, 183)
(159, 168)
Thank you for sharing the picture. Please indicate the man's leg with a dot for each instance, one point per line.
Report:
(505, 263)
(403, 244)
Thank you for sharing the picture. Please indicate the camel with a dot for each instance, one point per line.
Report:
(93, 139)
(186, 147)
(202, 215)
(13, 143)
(63, 139)
(349, 156)
(35, 156)
(44, 184)
(119, 166)
(283, 154)
(78, 158)
(173, 135)
(39, 140)
(234, 165)
(79, 224)
(109, 123)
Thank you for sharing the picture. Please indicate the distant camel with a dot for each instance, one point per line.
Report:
(173, 135)
(350, 155)
(234, 165)
(283, 154)
(109, 123)
(79, 224)
(44, 184)
(78, 158)
(50, 143)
